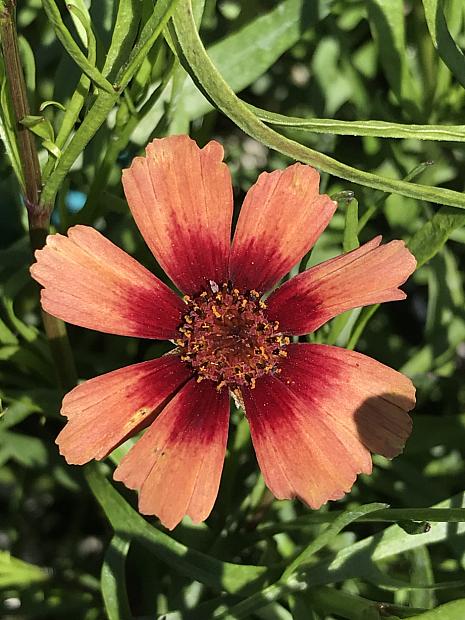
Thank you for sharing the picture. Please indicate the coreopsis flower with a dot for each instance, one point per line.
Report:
(315, 411)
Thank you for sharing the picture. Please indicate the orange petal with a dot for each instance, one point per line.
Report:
(281, 218)
(181, 198)
(177, 464)
(106, 410)
(356, 390)
(300, 452)
(371, 274)
(89, 281)
(313, 426)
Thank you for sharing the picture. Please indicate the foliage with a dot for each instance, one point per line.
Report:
(371, 93)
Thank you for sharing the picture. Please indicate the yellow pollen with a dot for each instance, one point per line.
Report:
(216, 313)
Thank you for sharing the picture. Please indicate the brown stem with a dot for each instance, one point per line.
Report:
(38, 216)
(17, 89)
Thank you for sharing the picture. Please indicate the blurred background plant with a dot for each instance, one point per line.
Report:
(372, 93)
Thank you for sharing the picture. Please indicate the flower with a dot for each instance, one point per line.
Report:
(315, 411)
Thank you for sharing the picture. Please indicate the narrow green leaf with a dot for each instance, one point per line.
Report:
(105, 101)
(123, 35)
(7, 127)
(442, 39)
(78, 98)
(290, 581)
(342, 521)
(150, 32)
(6, 335)
(70, 45)
(264, 39)
(377, 205)
(432, 236)
(29, 66)
(113, 579)
(52, 148)
(202, 69)
(421, 572)
(127, 523)
(387, 24)
(327, 600)
(359, 560)
(79, 24)
(378, 129)
(350, 240)
(56, 104)
(454, 610)
(39, 125)
(360, 324)
(81, 18)
(16, 573)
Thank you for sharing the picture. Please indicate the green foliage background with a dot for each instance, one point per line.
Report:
(370, 92)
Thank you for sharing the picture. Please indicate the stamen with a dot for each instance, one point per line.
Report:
(227, 338)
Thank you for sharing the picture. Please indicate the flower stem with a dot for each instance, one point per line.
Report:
(31, 183)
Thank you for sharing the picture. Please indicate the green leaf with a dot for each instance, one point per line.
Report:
(350, 239)
(127, 523)
(359, 560)
(201, 68)
(342, 521)
(113, 579)
(27, 451)
(378, 129)
(427, 433)
(264, 39)
(75, 105)
(52, 148)
(150, 32)
(73, 49)
(387, 23)
(7, 127)
(105, 101)
(80, 21)
(123, 35)
(454, 610)
(442, 39)
(56, 104)
(290, 579)
(16, 573)
(422, 572)
(40, 126)
(432, 236)
(28, 64)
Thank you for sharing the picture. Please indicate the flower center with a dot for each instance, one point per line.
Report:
(227, 338)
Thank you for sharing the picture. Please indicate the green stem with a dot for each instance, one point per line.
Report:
(105, 101)
(205, 74)
(38, 212)
(90, 125)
